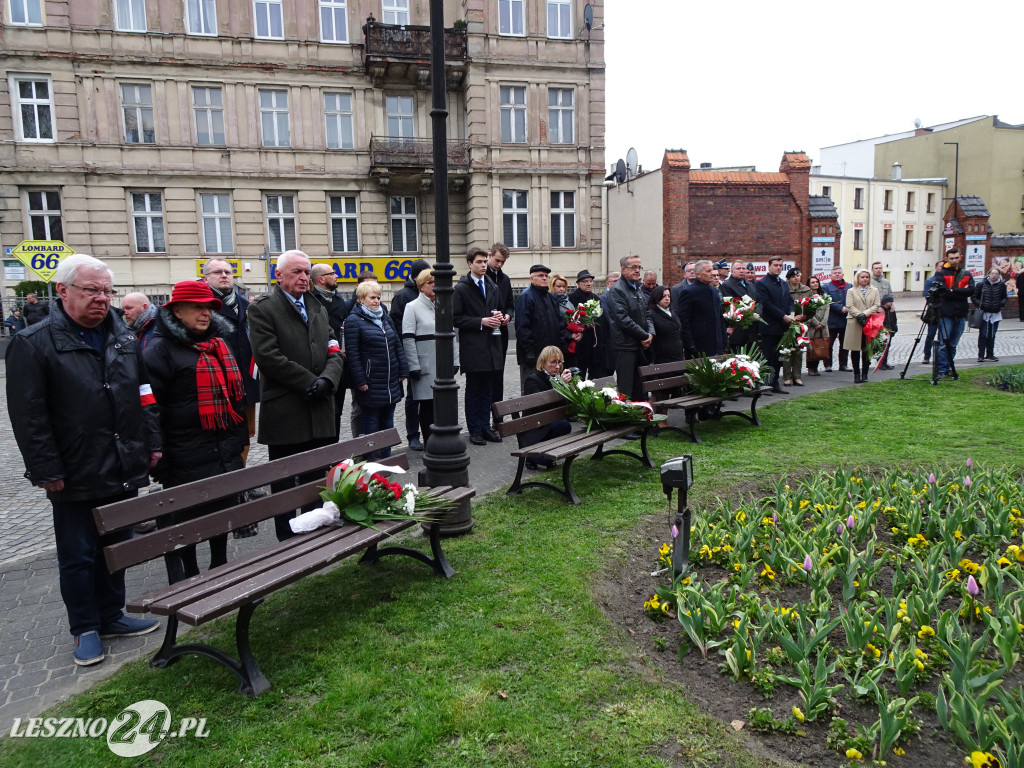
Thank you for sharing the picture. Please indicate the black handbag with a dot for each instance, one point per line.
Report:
(974, 318)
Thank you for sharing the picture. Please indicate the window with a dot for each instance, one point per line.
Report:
(148, 219)
(887, 200)
(33, 107)
(514, 218)
(208, 106)
(395, 12)
(858, 239)
(513, 114)
(928, 243)
(511, 18)
(201, 17)
(399, 114)
(215, 209)
(345, 224)
(858, 198)
(560, 19)
(338, 115)
(911, 202)
(826, 191)
(281, 222)
(130, 15)
(931, 202)
(563, 219)
(886, 239)
(333, 21)
(137, 107)
(403, 225)
(560, 116)
(274, 119)
(908, 240)
(44, 222)
(27, 12)
(269, 19)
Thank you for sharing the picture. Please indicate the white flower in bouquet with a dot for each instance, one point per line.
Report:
(593, 308)
(585, 384)
(610, 392)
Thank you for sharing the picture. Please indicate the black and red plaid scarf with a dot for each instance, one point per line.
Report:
(218, 385)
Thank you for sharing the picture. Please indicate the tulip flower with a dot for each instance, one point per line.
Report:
(931, 478)
(840, 528)
(807, 563)
(969, 462)
(849, 522)
(972, 587)
(967, 482)
(798, 714)
(675, 531)
(775, 517)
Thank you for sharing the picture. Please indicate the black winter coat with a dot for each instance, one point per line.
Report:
(700, 314)
(774, 299)
(77, 415)
(480, 349)
(190, 452)
(732, 288)
(954, 301)
(540, 323)
(628, 318)
(589, 348)
(375, 358)
(237, 339)
(989, 296)
(35, 313)
(667, 346)
(506, 301)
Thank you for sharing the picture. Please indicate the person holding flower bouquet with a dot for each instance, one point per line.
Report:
(588, 347)
(817, 321)
(776, 308)
(793, 363)
(550, 365)
(861, 301)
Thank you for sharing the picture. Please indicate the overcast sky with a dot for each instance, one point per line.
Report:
(739, 83)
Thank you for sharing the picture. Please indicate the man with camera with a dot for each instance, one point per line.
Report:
(951, 291)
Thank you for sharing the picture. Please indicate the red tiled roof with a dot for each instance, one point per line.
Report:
(737, 177)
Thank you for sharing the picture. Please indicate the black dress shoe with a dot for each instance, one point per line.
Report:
(779, 390)
(492, 436)
(845, 368)
(477, 439)
(992, 359)
(888, 367)
(534, 465)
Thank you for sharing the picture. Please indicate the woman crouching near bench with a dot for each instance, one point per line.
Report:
(199, 391)
(550, 364)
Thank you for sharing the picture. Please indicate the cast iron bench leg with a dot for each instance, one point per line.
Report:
(517, 484)
(643, 457)
(691, 419)
(438, 563)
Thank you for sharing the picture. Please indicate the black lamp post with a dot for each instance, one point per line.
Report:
(445, 460)
(678, 474)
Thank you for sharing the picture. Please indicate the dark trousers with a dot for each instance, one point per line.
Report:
(339, 404)
(412, 415)
(478, 401)
(281, 527)
(885, 355)
(930, 340)
(92, 595)
(424, 415)
(770, 350)
(987, 339)
(627, 377)
(844, 355)
(182, 563)
(556, 429)
(497, 390)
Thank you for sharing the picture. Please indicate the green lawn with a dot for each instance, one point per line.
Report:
(511, 663)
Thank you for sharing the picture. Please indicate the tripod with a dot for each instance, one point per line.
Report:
(941, 341)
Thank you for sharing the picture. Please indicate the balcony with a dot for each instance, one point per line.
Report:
(401, 54)
(412, 161)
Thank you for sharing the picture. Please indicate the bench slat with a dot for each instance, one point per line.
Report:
(534, 420)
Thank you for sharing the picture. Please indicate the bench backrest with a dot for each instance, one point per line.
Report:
(232, 516)
(546, 408)
(663, 378)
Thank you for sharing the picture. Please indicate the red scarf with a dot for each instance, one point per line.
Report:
(218, 385)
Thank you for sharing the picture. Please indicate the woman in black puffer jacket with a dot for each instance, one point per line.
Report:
(200, 394)
(990, 298)
(375, 362)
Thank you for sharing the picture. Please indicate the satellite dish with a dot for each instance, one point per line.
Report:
(588, 16)
(631, 163)
(917, 122)
(620, 171)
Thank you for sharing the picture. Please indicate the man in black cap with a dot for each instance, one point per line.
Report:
(539, 322)
(589, 347)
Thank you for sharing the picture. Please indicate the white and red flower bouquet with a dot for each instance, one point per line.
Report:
(582, 316)
(740, 312)
(795, 339)
(605, 407)
(723, 378)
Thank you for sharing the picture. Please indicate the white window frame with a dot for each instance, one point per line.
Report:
(27, 9)
(263, 12)
(148, 221)
(140, 109)
(38, 105)
(515, 218)
(339, 115)
(561, 29)
(399, 224)
(561, 215)
(394, 12)
(278, 219)
(513, 114)
(561, 113)
(215, 211)
(208, 117)
(394, 109)
(511, 18)
(275, 112)
(347, 217)
(333, 12)
(45, 214)
(126, 13)
(201, 17)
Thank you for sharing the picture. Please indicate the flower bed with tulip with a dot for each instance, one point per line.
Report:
(888, 605)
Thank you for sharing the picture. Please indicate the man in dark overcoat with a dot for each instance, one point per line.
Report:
(737, 285)
(631, 327)
(772, 291)
(700, 314)
(300, 366)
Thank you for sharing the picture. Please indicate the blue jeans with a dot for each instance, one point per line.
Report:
(92, 595)
(930, 340)
(952, 328)
(374, 420)
(987, 339)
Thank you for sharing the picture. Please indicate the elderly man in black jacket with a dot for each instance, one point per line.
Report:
(539, 323)
(738, 285)
(477, 314)
(631, 327)
(772, 291)
(85, 420)
(700, 313)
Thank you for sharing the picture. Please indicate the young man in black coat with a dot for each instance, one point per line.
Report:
(476, 313)
(772, 292)
(324, 288)
(496, 259)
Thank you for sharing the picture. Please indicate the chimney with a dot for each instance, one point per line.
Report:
(897, 171)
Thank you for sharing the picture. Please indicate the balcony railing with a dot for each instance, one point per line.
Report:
(410, 42)
(415, 153)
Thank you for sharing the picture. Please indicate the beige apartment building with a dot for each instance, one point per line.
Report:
(154, 134)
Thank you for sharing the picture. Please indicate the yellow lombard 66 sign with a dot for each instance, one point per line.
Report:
(387, 269)
(41, 256)
(236, 266)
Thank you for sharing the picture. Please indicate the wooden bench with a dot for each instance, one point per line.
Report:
(661, 380)
(242, 584)
(546, 408)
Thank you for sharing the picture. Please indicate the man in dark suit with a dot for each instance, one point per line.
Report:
(738, 285)
(776, 305)
(324, 289)
(700, 313)
(631, 327)
(300, 367)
